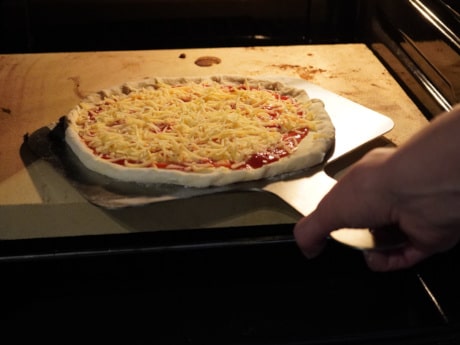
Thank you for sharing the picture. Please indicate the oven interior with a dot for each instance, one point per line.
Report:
(195, 288)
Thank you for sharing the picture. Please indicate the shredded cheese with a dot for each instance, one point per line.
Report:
(191, 126)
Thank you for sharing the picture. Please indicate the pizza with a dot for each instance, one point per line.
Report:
(199, 132)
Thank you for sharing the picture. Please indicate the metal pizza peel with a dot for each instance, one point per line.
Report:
(355, 126)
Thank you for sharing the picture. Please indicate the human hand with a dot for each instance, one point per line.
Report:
(416, 187)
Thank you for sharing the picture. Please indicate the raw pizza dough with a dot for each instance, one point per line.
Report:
(199, 132)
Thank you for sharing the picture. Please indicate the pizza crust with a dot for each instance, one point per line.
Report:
(310, 152)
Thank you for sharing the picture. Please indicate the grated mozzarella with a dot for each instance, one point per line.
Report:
(190, 126)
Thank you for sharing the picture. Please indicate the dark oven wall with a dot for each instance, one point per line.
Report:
(419, 42)
(84, 25)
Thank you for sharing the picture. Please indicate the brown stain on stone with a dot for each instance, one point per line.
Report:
(76, 87)
(5, 110)
(304, 72)
(208, 61)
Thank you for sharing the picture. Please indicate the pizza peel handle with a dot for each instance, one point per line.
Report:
(385, 238)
